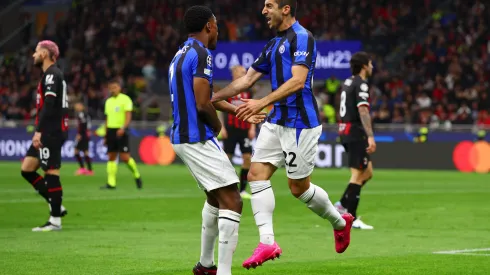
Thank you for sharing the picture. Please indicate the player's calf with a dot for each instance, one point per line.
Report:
(317, 200)
(229, 216)
(37, 182)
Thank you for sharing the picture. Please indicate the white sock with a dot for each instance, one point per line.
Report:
(317, 201)
(228, 224)
(209, 234)
(263, 204)
(55, 220)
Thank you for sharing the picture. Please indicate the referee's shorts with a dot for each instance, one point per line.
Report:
(117, 144)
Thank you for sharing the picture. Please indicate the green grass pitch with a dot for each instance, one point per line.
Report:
(157, 230)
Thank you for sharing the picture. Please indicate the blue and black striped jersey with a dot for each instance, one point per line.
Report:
(192, 60)
(294, 46)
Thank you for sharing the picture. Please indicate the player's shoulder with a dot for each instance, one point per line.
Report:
(361, 83)
(55, 71)
(199, 50)
(125, 97)
(354, 81)
(302, 32)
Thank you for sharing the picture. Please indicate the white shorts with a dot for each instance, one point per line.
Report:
(294, 148)
(208, 164)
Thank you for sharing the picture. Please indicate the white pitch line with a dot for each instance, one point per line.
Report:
(464, 252)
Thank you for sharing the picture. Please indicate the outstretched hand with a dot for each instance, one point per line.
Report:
(256, 119)
(249, 108)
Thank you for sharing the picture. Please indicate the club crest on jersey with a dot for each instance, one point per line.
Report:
(117, 109)
(364, 87)
(282, 49)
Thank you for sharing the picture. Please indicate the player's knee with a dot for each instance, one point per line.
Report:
(253, 174)
(246, 160)
(77, 153)
(369, 175)
(29, 165)
(298, 187)
(124, 157)
(229, 198)
(112, 156)
(233, 202)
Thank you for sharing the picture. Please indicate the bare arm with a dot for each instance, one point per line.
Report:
(205, 109)
(225, 106)
(238, 85)
(366, 120)
(294, 84)
(127, 121)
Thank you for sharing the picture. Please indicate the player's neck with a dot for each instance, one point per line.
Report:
(363, 75)
(286, 23)
(47, 64)
(201, 37)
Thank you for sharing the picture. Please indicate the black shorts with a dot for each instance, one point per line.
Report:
(117, 144)
(357, 156)
(82, 144)
(237, 136)
(50, 154)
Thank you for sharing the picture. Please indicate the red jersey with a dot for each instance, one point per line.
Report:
(232, 121)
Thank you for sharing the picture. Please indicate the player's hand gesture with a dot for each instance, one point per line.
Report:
(371, 145)
(78, 137)
(256, 119)
(36, 140)
(250, 108)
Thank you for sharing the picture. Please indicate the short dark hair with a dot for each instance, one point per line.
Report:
(292, 3)
(358, 61)
(196, 17)
(114, 80)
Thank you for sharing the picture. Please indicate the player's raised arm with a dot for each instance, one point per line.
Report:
(237, 86)
(260, 67)
(50, 86)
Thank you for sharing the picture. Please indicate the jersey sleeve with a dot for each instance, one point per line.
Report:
(105, 107)
(202, 65)
(302, 49)
(262, 63)
(51, 83)
(362, 95)
(128, 105)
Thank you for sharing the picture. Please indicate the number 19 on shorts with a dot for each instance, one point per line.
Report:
(44, 153)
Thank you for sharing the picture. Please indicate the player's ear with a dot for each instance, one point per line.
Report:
(208, 27)
(286, 10)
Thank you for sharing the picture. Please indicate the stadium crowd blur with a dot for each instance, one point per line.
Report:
(445, 78)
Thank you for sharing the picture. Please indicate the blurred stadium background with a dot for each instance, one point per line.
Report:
(430, 105)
